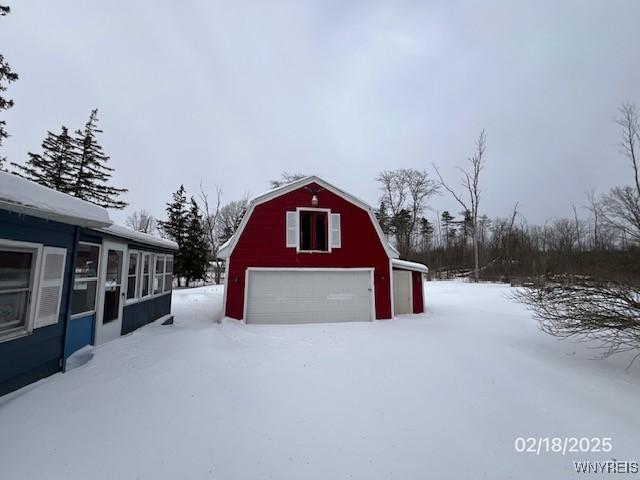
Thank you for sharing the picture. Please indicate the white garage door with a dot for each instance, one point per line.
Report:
(296, 296)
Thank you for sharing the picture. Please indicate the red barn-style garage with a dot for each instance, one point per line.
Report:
(308, 252)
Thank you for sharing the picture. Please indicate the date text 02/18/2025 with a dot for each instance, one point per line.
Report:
(563, 445)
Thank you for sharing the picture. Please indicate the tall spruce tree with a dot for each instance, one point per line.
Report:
(448, 226)
(91, 171)
(195, 254)
(54, 167)
(175, 227)
(7, 76)
(426, 233)
(383, 218)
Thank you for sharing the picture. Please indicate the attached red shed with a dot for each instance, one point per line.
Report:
(308, 252)
(408, 286)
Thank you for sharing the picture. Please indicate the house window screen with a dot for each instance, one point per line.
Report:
(85, 283)
(15, 288)
(132, 275)
(158, 282)
(168, 276)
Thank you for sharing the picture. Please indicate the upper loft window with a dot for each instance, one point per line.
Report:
(314, 231)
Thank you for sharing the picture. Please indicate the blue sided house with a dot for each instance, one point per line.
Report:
(69, 278)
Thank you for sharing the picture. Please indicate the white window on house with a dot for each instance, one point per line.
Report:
(133, 275)
(168, 275)
(145, 289)
(158, 280)
(18, 263)
(85, 285)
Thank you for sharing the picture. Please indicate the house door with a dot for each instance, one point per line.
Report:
(112, 294)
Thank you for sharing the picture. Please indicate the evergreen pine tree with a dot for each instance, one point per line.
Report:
(91, 171)
(195, 255)
(175, 227)
(448, 227)
(54, 168)
(6, 77)
(383, 218)
(426, 232)
(400, 226)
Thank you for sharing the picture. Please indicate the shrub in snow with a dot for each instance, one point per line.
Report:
(585, 309)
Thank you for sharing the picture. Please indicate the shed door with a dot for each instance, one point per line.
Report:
(286, 296)
(402, 301)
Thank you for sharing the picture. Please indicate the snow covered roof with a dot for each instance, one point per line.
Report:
(274, 192)
(223, 251)
(23, 196)
(127, 233)
(407, 265)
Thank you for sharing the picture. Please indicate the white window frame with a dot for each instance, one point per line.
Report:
(137, 275)
(88, 279)
(34, 280)
(313, 209)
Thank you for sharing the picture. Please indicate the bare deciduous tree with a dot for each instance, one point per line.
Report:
(510, 241)
(229, 219)
(287, 178)
(604, 306)
(607, 312)
(621, 206)
(142, 221)
(470, 183)
(405, 192)
(210, 220)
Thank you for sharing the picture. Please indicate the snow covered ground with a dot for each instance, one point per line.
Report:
(440, 395)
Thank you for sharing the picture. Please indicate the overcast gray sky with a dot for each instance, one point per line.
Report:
(234, 93)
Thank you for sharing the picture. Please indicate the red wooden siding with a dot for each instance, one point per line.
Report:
(418, 300)
(262, 244)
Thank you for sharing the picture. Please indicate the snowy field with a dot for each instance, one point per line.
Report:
(440, 395)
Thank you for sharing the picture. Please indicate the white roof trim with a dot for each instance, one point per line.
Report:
(290, 187)
(144, 238)
(23, 196)
(407, 265)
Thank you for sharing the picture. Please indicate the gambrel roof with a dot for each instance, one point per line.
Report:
(226, 249)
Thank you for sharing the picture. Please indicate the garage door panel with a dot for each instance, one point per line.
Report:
(308, 297)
